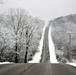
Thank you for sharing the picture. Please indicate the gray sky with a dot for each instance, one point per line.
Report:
(44, 9)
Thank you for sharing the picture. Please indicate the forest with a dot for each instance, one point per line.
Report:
(20, 34)
(64, 37)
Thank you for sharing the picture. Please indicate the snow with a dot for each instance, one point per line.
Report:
(52, 49)
(5, 62)
(37, 57)
(72, 64)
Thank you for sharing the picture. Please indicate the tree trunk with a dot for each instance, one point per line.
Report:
(26, 60)
(16, 56)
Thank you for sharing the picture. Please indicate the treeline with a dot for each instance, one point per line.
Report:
(64, 36)
(20, 34)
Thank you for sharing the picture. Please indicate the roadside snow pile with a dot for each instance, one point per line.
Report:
(72, 64)
(5, 62)
(37, 56)
(52, 49)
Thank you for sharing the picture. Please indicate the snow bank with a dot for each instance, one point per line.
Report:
(51, 49)
(72, 64)
(5, 62)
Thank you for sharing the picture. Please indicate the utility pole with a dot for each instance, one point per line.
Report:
(69, 46)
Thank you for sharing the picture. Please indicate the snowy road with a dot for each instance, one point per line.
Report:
(46, 48)
(44, 68)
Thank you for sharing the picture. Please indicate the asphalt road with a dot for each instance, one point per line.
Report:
(63, 69)
(45, 57)
(37, 69)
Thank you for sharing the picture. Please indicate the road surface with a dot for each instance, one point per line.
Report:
(45, 57)
(37, 69)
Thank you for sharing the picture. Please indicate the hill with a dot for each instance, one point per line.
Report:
(64, 36)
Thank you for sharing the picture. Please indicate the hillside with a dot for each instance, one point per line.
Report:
(64, 36)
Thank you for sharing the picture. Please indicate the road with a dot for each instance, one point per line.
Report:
(43, 68)
(45, 57)
(37, 69)
(63, 69)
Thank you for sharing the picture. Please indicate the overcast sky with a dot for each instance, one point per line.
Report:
(44, 9)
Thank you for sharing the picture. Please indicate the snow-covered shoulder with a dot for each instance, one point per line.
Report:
(72, 64)
(6, 62)
(51, 48)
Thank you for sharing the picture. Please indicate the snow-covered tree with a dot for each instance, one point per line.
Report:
(27, 31)
(7, 42)
(60, 28)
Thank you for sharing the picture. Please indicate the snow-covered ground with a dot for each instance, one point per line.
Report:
(72, 64)
(5, 62)
(51, 49)
(37, 56)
